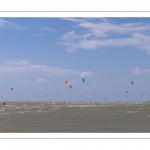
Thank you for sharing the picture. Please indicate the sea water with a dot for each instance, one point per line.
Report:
(74, 117)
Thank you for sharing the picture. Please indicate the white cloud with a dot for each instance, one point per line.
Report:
(23, 66)
(104, 29)
(41, 34)
(13, 69)
(14, 62)
(2, 22)
(138, 41)
(71, 36)
(138, 71)
(41, 80)
(7, 24)
(71, 82)
(99, 33)
(77, 20)
(48, 29)
(84, 74)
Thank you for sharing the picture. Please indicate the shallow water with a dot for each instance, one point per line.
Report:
(85, 117)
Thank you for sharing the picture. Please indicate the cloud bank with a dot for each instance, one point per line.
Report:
(102, 33)
(41, 80)
(138, 71)
(23, 66)
(10, 25)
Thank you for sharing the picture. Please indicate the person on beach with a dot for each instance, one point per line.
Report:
(4, 104)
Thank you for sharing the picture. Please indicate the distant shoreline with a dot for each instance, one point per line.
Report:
(102, 102)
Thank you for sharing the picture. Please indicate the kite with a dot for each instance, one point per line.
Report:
(11, 88)
(66, 81)
(70, 87)
(132, 82)
(83, 79)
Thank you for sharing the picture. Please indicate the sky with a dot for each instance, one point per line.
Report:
(37, 55)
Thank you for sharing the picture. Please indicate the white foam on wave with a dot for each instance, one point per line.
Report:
(17, 107)
(132, 111)
(2, 109)
(106, 105)
(5, 113)
(40, 111)
(22, 112)
(36, 107)
(83, 106)
(71, 106)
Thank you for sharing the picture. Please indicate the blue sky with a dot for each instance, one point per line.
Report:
(39, 54)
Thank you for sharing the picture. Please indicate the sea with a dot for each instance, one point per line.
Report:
(74, 117)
